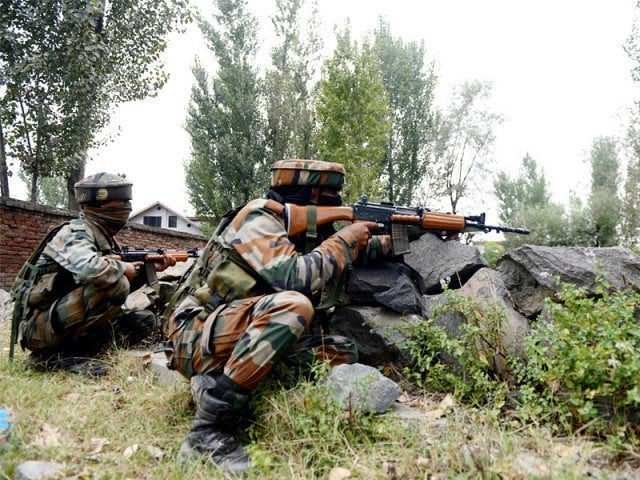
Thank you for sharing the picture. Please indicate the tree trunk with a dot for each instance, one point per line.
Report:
(78, 172)
(72, 177)
(4, 170)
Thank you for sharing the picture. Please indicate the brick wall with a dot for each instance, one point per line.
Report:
(23, 225)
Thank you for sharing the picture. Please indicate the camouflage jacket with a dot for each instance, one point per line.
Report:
(75, 255)
(258, 233)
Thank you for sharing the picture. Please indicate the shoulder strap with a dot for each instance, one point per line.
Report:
(22, 285)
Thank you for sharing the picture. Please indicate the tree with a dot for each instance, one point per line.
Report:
(464, 142)
(410, 87)
(52, 191)
(288, 84)
(525, 201)
(65, 64)
(353, 116)
(630, 214)
(228, 164)
(604, 202)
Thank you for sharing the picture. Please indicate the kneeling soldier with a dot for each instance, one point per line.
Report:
(70, 292)
(247, 303)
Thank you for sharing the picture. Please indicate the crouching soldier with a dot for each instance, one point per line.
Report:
(247, 303)
(70, 292)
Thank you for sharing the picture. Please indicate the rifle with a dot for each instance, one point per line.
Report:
(149, 257)
(392, 219)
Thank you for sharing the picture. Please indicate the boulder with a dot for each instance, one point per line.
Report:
(393, 285)
(440, 263)
(487, 288)
(531, 272)
(376, 332)
(362, 387)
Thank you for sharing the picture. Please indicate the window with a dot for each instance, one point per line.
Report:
(173, 221)
(152, 221)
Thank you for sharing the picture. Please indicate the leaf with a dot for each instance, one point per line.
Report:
(48, 436)
(155, 452)
(98, 443)
(339, 473)
(130, 450)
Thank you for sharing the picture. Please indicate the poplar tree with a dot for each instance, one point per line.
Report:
(630, 221)
(353, 115)
(604, 201)
(228, 164)
(289, 82)
(410, 86)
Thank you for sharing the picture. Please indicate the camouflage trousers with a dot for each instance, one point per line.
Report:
(249, 336)
(84, 320)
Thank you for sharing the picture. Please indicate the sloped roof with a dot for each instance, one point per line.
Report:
(169, 209)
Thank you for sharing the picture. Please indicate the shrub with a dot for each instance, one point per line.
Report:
(583, 362)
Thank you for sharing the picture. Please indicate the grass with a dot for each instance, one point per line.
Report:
(127, 426)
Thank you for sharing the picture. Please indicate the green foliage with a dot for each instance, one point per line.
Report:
(583, 362)
(410, 88)
(228, 163)
(525, 201)
(465, 364)
(604, 203)
(492, 252)
(353, 114)
(51, 191)
(630, 221)
(64, 65)
(307, 424)
(464, 142)
(289, 83)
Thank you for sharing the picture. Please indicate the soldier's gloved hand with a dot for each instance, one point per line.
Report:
(166, 262)
(131, 269)
(359, 232)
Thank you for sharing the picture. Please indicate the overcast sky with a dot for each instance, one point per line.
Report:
(560, 79)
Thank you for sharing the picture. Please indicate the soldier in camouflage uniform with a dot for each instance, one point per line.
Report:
(70, 292)
(247, 303)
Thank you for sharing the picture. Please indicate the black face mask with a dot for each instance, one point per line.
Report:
(306, 195)
(111, 218)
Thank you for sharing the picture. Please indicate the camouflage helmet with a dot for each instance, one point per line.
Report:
(102, 187)
(313, 173)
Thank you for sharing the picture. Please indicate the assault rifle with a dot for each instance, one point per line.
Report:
(149, 257)
(392, 219)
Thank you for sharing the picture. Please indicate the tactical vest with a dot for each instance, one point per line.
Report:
(220, 275)
(38, 286)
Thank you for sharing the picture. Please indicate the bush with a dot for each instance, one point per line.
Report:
(466, 365)
(583, 362)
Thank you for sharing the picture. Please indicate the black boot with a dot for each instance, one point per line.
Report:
(69, 363)
(211, 434)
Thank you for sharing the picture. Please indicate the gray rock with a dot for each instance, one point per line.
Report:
(451, 263)
(161, 372)
(6, 306)
(450, 321)
(376, 332)
(393, 285)
(142, 299)
(487, 287)
(530, 272)
(362, 387)
(36, 470)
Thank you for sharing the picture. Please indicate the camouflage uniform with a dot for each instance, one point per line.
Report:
(73, 296)
(247, 336)
(246, 305)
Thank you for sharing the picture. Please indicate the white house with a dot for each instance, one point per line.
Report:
(159, 215)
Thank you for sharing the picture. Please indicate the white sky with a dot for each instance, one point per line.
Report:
(560, 79)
